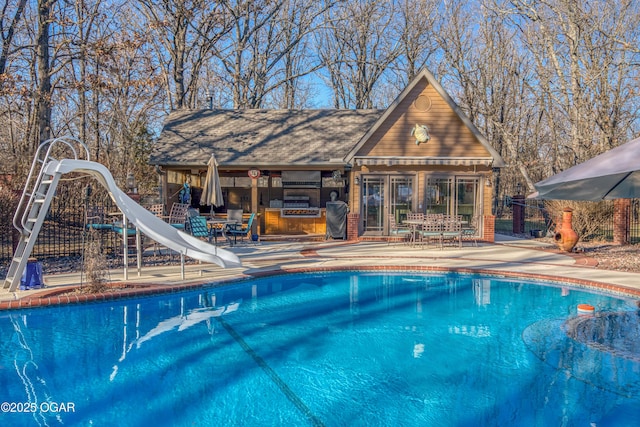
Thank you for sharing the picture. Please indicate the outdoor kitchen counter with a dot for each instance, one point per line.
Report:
(295, 221)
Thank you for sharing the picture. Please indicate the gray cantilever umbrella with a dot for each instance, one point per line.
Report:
(614, 174)
(212, 191)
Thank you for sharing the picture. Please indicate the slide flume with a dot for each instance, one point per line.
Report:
(149, 224)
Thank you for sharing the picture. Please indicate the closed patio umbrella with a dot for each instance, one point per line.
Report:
(614, 174)
(212, 191)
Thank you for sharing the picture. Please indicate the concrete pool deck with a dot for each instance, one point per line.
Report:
(508, 256)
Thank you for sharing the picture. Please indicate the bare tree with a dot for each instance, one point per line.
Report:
(187, 32)
(486, 72)
(549, 82)
(418, 25)
(11, 101)
(297, 20)
(584, 71)
(133, 101)
(85, 56)
(357, 46)
(43, 65)
(264, 57)
(8, 26)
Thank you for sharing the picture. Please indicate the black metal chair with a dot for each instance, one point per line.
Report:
(241, 230)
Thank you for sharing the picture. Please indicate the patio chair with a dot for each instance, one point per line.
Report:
(452, 229)
(240, 231)
(198, 227)
(470, 231)
(397, 231)
(157, 209)
(178, 215)
(415, 216)
(235, 215)
(431, 230)
(234, 219)
(218, 231)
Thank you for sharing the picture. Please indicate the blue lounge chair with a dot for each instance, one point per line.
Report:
(198, 227)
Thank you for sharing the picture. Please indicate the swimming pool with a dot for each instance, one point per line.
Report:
(327, 348)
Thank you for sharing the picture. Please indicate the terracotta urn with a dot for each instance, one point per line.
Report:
(566, 238)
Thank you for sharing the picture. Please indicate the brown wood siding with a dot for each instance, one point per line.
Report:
(450, 137)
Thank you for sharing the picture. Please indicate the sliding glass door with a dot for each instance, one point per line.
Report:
(454, 196)
(383, 195)
(373, 199)
(401, 197)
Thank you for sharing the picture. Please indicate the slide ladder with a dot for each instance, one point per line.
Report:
(35, 202)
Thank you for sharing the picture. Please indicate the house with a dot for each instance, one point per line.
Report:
(421, 154)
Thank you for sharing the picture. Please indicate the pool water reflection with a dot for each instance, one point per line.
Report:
(334, 349)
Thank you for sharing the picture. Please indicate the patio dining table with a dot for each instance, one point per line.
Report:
(219, 224)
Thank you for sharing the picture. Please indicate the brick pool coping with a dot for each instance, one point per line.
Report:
(64, 295)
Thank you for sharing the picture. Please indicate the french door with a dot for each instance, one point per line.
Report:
(455, 195)
(383, 195)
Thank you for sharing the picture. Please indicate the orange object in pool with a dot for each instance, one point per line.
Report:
(585, 308)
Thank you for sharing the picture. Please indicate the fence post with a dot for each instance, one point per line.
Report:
(621, 221)
(518, 213)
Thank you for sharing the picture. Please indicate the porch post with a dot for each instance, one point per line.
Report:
(353, 220)
(489, 228)
(254, 205)
(621, 221)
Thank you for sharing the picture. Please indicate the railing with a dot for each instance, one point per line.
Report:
(64, 232)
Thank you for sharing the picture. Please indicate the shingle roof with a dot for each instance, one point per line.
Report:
(260, 137)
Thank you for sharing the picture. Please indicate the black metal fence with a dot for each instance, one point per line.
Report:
(595, 220)
(65, 232)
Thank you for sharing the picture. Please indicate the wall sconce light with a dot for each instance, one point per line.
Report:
(488, 182)
(356, 180)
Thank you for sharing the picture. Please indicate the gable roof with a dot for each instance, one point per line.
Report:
(425, 74)
(254, 138)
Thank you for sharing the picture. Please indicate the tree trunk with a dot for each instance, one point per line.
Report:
(43, 70)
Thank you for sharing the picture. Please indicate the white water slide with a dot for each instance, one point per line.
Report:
(149, 224)
(144, 220)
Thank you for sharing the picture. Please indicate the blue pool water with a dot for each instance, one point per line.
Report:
(332, 349)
